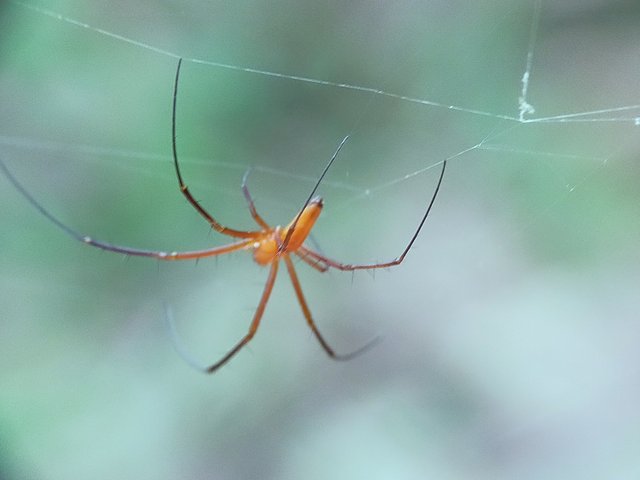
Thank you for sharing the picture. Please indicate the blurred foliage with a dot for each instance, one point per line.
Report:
(510, 333)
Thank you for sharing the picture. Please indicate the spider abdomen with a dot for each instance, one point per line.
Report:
(302, 225)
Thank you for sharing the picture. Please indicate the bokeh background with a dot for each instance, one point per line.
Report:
(510, 334)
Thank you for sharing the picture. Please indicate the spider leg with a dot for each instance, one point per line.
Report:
(188, 255)
(183, 187)
(307, 252)
(255, 323)
(210, 252)
(345, 267)
(287, 238)
(252, 208)
(311, 323)
(319, 265)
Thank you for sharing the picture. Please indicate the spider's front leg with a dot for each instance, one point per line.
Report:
(183, 187)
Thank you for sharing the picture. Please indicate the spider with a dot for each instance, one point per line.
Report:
(269, 244)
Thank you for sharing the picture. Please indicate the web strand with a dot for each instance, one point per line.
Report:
(523, 105)
(620, 114)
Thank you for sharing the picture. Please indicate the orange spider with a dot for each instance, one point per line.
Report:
(269, 244)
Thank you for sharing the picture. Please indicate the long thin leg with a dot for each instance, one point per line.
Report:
(311, 323)
(304, 251)
(183, 188)
(285, 242)
(117, 248)
(188, 255)
(313, 263)
(252, 208)
(255, 323)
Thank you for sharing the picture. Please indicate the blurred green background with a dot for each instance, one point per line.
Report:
(510, 334)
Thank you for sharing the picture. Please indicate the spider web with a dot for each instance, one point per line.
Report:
(506, 126)
(527, 264)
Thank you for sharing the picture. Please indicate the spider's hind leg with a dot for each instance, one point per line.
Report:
(255, 323)
(307, 315)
